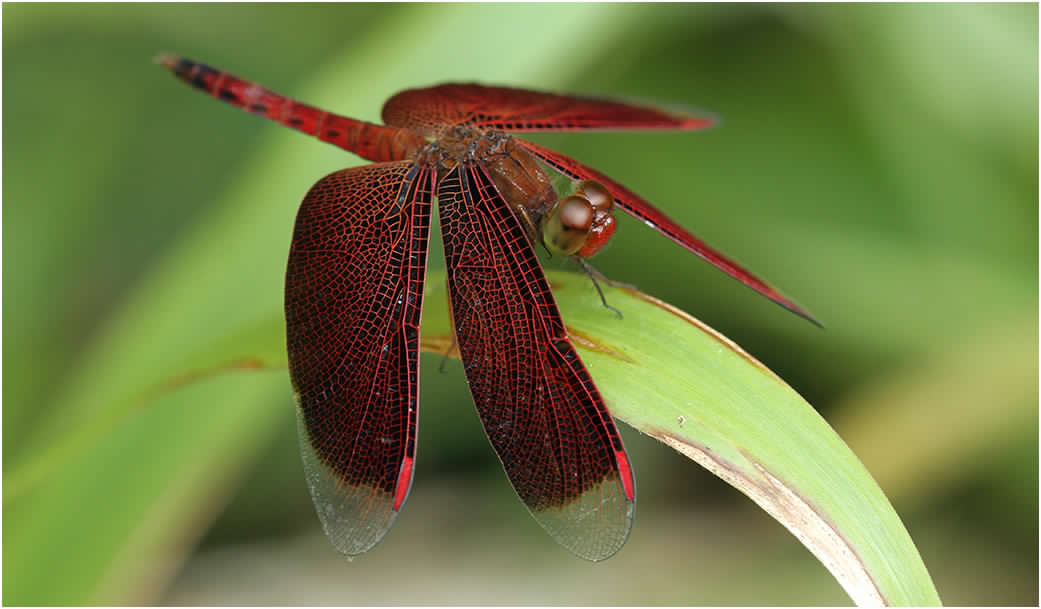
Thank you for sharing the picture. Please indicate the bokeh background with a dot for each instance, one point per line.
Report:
(879, 163)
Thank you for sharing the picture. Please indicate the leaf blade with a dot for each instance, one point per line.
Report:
(672, 377)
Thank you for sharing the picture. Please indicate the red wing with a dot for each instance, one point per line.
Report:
(540, 409)
(354, 294)
(435, 111)
(654, 218)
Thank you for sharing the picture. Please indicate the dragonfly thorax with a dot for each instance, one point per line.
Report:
(578, 224)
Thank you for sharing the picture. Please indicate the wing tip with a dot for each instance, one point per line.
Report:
(703, 121)
(591, 539)
(770, 292)
(803, 313)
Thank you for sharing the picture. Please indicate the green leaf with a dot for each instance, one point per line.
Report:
(671, 377)
(674, 378)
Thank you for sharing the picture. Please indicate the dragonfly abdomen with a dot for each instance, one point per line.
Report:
(369, 141)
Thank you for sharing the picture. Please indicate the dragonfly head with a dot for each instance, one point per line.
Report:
(581, 223)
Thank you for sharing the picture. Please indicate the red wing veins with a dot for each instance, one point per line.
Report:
(543, 415)
(354, 293)
(434, 111)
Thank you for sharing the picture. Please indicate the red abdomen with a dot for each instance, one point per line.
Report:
(369, 141)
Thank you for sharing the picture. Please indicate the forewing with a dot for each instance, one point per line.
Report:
(435, 111)
(543, 415)
(354, 292)
(654, 218)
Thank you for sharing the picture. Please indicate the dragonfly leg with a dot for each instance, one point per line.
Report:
(594, 273)
(593, 276)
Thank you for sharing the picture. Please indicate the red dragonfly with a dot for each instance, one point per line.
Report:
(354, 296)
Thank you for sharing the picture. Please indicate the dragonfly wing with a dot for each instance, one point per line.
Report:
(653, 217)
(354, 291)
(435, 111)
(540, 409)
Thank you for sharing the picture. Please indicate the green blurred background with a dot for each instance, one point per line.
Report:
(878, 163)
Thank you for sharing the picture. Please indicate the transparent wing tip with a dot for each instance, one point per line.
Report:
(354, 517)
(595, 525)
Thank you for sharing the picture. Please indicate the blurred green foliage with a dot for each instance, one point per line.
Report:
(878, 162)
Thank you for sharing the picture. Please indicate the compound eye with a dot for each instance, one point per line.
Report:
(576, 213)
(598, 195)
(566, 227)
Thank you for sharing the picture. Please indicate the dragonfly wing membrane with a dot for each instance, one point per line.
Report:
(541, 412)
(435, 111)
(353, 301)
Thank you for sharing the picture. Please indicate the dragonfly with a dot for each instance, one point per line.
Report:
(354, 297)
